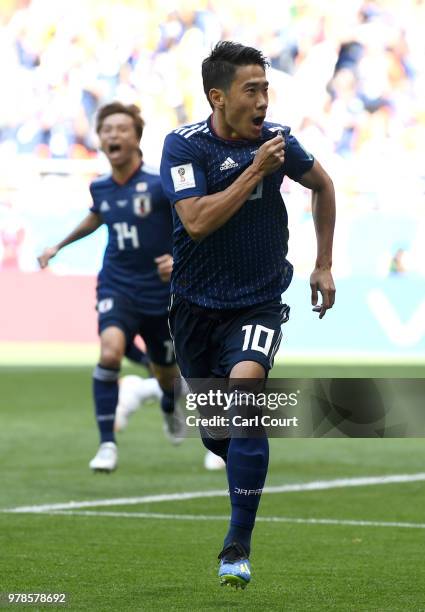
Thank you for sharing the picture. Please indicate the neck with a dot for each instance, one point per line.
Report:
(121, 174)
(221, 128)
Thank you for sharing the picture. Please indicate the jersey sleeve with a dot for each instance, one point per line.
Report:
(182, 170)
(94, 208)
(297, 160)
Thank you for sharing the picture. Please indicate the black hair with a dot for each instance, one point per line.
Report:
(131, 110)
(218, 69)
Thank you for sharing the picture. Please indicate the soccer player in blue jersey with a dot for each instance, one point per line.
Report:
(133, 285)
(223, 178)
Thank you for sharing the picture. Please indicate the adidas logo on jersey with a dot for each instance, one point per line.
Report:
(104, 206)
(228, 163)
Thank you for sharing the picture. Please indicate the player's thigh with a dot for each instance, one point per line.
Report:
(191, 335)
(253, 336)
(117, 326)
(117, 311)
(159, 344)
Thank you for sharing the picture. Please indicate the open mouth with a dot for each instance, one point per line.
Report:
(258, 121)
(114, 148)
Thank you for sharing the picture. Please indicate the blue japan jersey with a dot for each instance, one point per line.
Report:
(243, 262)
(138, 217)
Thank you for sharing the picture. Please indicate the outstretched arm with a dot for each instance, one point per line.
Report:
(323, 208)
(87, 226)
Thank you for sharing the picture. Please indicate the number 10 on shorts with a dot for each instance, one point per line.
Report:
(261, 340)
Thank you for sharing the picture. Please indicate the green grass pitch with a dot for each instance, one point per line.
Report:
(120, 563)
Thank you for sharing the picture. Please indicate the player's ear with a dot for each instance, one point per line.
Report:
(217, 98)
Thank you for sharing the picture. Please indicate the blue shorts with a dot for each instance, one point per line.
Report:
(119, 311)
(210, 342)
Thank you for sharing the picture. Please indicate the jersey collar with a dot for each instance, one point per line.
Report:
(130, 178)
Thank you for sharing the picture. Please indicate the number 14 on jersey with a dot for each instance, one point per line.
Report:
(124, 232)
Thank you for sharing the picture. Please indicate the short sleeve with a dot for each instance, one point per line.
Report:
(182, 170)
(297, 160)
(95, 207)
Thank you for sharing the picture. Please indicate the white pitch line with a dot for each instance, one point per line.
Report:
(217, 517)
(316, 485)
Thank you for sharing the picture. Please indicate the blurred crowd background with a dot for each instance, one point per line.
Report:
(348, 77)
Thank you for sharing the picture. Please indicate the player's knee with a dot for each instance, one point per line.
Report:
(110, 356)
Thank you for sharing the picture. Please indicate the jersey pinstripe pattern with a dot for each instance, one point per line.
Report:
(244, 262)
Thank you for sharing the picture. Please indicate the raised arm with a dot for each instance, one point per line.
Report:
(205, 214)
(323, 209)
(87, 226)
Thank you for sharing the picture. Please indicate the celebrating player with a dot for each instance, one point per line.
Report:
(223, 178)
(133, 284)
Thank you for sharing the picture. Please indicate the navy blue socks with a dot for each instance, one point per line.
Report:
(105, 394)
(170, 397)
(247, 463)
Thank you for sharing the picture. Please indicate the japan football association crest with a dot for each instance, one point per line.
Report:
(142, 204)
(105, 305)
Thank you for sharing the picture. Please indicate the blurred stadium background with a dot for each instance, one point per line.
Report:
(348, 77)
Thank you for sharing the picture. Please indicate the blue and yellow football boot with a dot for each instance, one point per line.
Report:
(235, 568)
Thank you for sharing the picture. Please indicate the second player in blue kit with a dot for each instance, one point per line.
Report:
(133, 285)
(223, 178)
